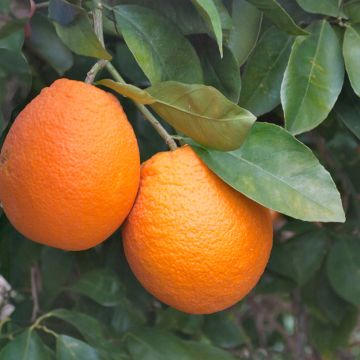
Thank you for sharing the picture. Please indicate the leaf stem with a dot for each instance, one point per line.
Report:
(42, 5)
(147, 114)
(98, 28)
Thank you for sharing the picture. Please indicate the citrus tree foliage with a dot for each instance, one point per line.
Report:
(267, 93)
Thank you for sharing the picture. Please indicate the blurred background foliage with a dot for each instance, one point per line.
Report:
(88, 305)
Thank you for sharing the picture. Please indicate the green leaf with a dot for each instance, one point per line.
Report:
(80, 38)
(300, 257)
(68, 348)
(223, 74)
(211, 16)
(264, 72)
(151, 38)
(246, 29)
(324, 7)
(202, 113)
(152, 344)
(13, 41)
(351, 52)
(198, 111)
(322, 301)
(352, 10)
(277, 14)
(230, 334)
(100, 285)
(199, 350)
(87, 326)
(47, 45)
(313, 78)
(279, 172)
(26, 346)
(174, 320)
(64, 12)
(347, 109)
(343, 268)
(327, 337)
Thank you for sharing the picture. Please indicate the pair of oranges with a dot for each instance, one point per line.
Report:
(70, 175)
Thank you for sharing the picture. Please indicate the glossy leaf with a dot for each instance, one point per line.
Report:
(87, 326)
(80, 38)
(151, 38)
(313, 78)
(221, 73)
(100, 285)
(211, 16)
(347, 109)
(47, 45)
(351, 51)
(300, 257)
(152, 344)
(69, 348)
(198, 111)
(343, 268)
(277, 14)
(246, 29)
(279, 172)
(324, 7)
(26, 346)
(264, 72)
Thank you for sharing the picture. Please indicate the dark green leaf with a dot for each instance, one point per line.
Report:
(279, 172)
(80, 37)
(152, 344)
(324, 7)
(327, 337)
(351, 51)
(211, 16)
(199, 350)
(64, 12)
(343, 268)
(126, 317)
(223, 330)
(68, 348)
(277, 14)
(246, 29)
(172, 319)
(352, 10)
(264, 72)
(46, 44)
(323, 302)
(198, 111)
(300, 257)
(347, 109)
(151, 38)
(26, 346)
(223, 74)
(13, 41)
(100, 285)
(87, 326)
(313, 78)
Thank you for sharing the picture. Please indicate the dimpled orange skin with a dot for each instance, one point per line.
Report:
(191, 240)
(69, 167)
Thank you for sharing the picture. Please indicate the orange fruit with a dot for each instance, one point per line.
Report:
(193, 241)
(69, 167)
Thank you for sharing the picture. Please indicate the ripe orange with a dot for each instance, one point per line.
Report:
(193, 241)
(69, 167)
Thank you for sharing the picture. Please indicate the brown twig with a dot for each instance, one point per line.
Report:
(35, 288)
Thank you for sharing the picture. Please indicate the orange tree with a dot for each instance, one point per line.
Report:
(266, 93)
